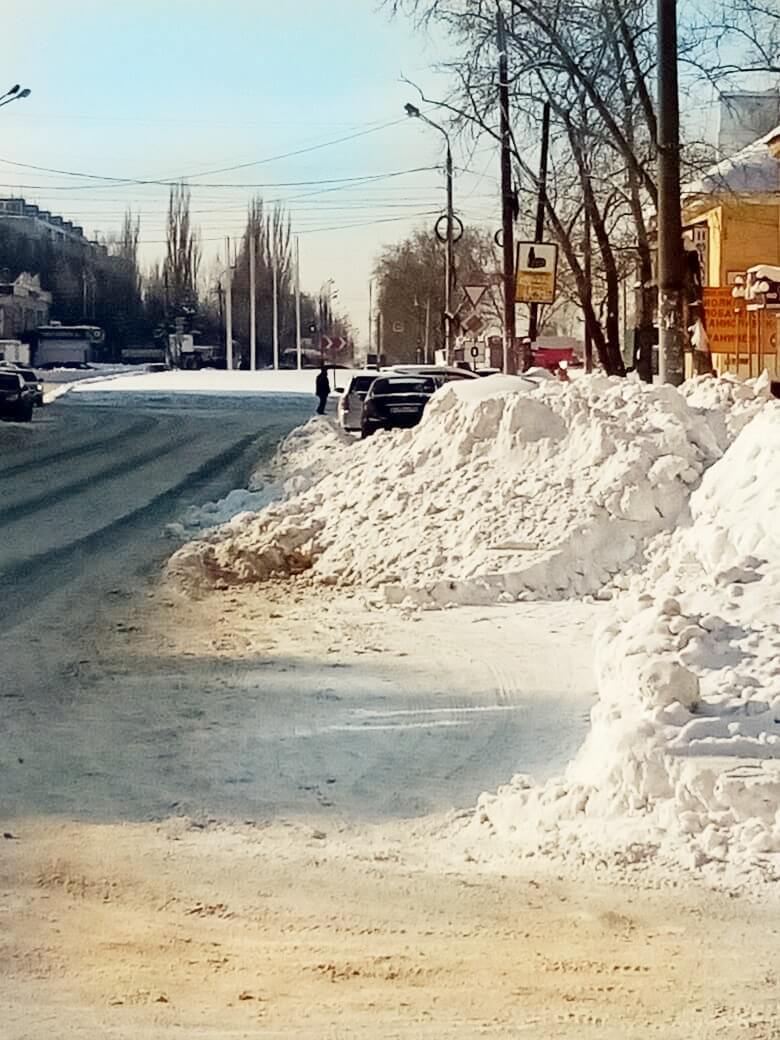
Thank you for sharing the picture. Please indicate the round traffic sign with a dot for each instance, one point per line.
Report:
(475, 351)
(457, 228)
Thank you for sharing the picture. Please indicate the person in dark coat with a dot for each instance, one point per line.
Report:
(322, 389)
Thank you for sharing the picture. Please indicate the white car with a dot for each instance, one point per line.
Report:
(440, 374)
(350, 407)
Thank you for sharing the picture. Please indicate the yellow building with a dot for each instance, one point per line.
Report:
(732, 215)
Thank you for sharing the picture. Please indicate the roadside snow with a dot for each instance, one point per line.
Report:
(513, 489)
(683, 758)
(508, 489)
(299, 461)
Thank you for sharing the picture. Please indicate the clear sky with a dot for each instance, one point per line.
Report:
(172, 88)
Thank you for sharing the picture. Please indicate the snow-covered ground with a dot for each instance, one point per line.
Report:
(663, 501)
(212, 380)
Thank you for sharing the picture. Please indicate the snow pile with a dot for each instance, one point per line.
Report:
(728, 403)
(683, 758)
(301, 459)
(508, 488)
(306, 455)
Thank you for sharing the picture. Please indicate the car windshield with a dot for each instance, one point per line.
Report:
(27, 375)
(402, 386)
(9, 381)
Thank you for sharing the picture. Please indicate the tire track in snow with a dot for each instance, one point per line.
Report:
(78, 450)
(116, 469)
(21, 583)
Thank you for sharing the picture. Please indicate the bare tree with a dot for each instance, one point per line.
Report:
(183, 254)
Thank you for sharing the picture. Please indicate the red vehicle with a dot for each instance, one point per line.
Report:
(550, 357)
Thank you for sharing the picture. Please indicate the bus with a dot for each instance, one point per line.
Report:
(67, 346)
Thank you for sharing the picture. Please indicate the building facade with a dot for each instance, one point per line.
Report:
(732, 218)
(24, 305)
(33, 222)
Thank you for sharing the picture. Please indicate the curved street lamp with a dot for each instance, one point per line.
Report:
(16, 93)
(449, 273)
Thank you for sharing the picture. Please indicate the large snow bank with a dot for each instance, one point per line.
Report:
(683, 758)
(508, 488)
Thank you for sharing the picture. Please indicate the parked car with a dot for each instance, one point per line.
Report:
(16, 398)
(395, 401)
(440, 374)
(32, 379)
(350, 407)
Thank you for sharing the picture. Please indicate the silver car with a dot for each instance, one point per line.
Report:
(351, 401)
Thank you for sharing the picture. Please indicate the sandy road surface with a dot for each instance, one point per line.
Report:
(186, 855)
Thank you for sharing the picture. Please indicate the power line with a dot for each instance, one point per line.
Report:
(311, 231)
(205, 173)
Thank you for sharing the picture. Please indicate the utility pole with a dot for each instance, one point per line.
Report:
(450, 260)
(298, 299)
(228, 308)
(275, 279)
(533, 309)
(587, 267)
(370, 313)
(507, 195)
(427, 328)
(252, 301)
(671, 334)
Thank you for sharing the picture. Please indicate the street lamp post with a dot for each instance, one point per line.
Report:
(16, 93)
(449, 268)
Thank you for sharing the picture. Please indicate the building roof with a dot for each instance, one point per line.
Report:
(752, 175)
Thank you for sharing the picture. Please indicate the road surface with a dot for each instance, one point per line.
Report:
(110, 715)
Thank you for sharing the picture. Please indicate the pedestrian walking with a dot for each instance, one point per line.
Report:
(322, 389)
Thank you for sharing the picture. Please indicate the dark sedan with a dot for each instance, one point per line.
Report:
(394, 402)
(33, 382)
(16, 398)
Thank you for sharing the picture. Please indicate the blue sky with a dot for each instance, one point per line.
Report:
(153, 89)
(166, 88)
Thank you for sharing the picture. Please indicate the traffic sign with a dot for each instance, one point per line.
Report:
(474, 294)
(535, 272)
(474, 324)
(475, 351)
(333, 343)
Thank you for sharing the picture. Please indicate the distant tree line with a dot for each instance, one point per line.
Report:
(137, 308)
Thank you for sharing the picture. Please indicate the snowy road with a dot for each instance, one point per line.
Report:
(90, 485)
(118, 705)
